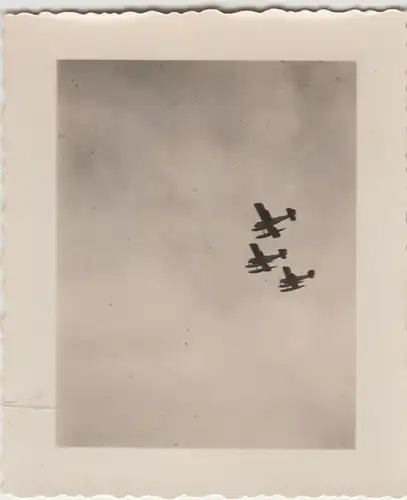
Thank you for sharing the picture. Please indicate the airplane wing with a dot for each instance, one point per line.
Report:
(271, 229)
(287, 272)
(261, 210)
(256, 251)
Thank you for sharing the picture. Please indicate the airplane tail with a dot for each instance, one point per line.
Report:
(282, 253)
(292, 213)
(311, 273)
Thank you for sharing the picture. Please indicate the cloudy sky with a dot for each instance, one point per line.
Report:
(164, 339)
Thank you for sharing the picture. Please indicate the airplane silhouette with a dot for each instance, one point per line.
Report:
(292, 281)
(268, 223)
(260, 262)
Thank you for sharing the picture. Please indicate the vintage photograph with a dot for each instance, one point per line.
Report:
(204, 254)
(191, 194)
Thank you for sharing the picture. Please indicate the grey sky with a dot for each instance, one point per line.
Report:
(164, 338)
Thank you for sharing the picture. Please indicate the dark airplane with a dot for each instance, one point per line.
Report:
(260, 262)
(292, 281)
(268, 222)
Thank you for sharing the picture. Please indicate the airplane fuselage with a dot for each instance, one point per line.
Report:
(302, 277)
(259, 262)
(264, 224)
(293, 280)
(256, 263)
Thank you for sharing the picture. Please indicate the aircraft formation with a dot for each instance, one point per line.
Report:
(261, 262)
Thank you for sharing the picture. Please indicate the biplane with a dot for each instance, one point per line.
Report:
(260, 262)
(292, 281)
(268, 223)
